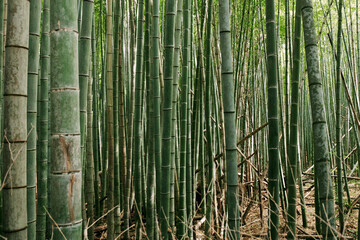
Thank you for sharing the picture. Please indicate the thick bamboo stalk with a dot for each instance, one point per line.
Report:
(320, 130)
(15, 115)
(65, 167)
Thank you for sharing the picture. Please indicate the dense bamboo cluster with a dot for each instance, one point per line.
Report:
(187, 119)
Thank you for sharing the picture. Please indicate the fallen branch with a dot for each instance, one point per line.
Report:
(252, 133)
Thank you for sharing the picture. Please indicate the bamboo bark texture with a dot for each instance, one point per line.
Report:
(65, 167)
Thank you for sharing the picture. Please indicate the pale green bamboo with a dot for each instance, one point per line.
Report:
(15, 115)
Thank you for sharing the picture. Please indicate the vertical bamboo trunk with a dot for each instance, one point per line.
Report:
(125, 167)
(273, 115)
(190, 170)
(95, 121)
(151, 176)
(209, 141)
(293, 156)
(84, 72)
(181, 228)
(175, 126)
(43, 158)
(151, 228)
(110, 119)
(155, 83)
(89, 165)
(65, 169)
(33, 74)
(167, 115)
(128, 111)
(320, 130)
(116, 119)
(15, 131)
(338, 122)
(229, 116)
(137, 118)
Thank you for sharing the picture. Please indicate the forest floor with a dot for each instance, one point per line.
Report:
(256, 227)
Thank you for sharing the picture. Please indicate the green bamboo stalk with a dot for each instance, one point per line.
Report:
(122, 146)
(86, 8)
(125, 167)
(293, 156)
(273, 115)
(128, 110)
(338, 121)
(89, 174)
(110, 119)
(229, 116)
(151, 228)
(155, 83)
(95, 121)
(33, 73)
(169, 43)
(65, 167)
(42, 164)
(151, 175)
(137, 118)
(116, 119)
(174, 187)
(209, 141)
(182, 222)
(84, 64)
(321, 151)
(15, 115)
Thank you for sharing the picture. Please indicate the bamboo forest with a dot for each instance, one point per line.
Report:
(179, 119)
